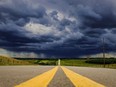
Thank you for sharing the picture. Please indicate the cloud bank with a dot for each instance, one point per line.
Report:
(63, 28)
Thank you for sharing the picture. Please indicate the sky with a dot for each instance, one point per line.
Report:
(57, 28)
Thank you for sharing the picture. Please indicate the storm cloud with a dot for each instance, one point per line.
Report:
(62, 28)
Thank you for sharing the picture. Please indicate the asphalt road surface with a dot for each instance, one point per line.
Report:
(11, 76)
(104, 76)
(60, 80)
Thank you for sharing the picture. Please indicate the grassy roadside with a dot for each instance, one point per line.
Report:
(4, 61)
(110, 63)
(43, 61)
(83, 63)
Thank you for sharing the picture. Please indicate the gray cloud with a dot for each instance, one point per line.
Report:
(68, 27)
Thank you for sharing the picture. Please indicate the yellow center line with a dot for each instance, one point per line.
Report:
(79, 80)
(41, 80)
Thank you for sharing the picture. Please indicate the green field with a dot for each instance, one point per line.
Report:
(93, 62)
(43, 61)
(84, 63)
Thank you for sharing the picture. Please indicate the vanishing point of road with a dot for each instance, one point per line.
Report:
(56, 76)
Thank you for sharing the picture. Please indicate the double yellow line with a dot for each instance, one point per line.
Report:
(41, 80)
(44, 79)
(79, 80)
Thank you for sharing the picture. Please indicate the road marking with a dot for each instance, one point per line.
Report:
(79, 80)
(41, 80)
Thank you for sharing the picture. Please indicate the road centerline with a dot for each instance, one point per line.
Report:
(60, 80)
(40, 81)
(79, 80)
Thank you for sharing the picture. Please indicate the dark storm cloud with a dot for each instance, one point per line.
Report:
(96, 32)
(19, 12)
(14, 14)
(95, 15)
(14, 36)
(62, 28)
(21, 9)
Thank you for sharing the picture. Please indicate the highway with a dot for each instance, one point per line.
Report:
(104, 76)
(56, 76)
(60, 80)
(14, 75)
